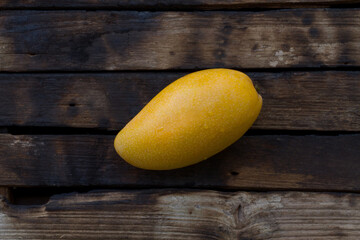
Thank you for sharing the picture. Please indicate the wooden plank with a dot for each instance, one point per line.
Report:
(122, 40)
(254, 162)
(174, 214)
(292, 100)
(170, 5)
(5, 193)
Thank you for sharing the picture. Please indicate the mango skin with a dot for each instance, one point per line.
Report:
(190, 120)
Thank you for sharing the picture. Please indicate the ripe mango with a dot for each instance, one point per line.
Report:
(190, 120)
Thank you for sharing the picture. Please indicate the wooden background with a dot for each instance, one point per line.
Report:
(73, 73)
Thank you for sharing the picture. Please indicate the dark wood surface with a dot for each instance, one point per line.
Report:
(185, 214)
(132, 40)
(5, 192)
(254, 162)
(72, 73)
(326, 101)
(173, 4)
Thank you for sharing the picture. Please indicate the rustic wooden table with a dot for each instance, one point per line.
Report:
(73, 73)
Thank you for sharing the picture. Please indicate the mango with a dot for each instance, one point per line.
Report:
(190, 120)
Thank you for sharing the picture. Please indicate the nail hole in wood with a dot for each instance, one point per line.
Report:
(239, 214)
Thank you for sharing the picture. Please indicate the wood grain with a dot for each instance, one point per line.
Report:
(173, 214)
(5, 193)
(171, 5)
(123, 40)
(254, 162)
(292, 100)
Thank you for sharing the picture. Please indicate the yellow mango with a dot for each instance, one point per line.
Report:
(190, 120)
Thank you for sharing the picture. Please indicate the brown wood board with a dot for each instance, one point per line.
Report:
(254, 162)
(326, 101)
(5, 193)
(132, 40)
(92, 71)
(171, 5)
(185, 214)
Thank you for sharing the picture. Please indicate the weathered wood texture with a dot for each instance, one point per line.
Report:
(6, 193)
(174, 4)
(171, 214)
(103, 40)
(254, 162)
(292, 100)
